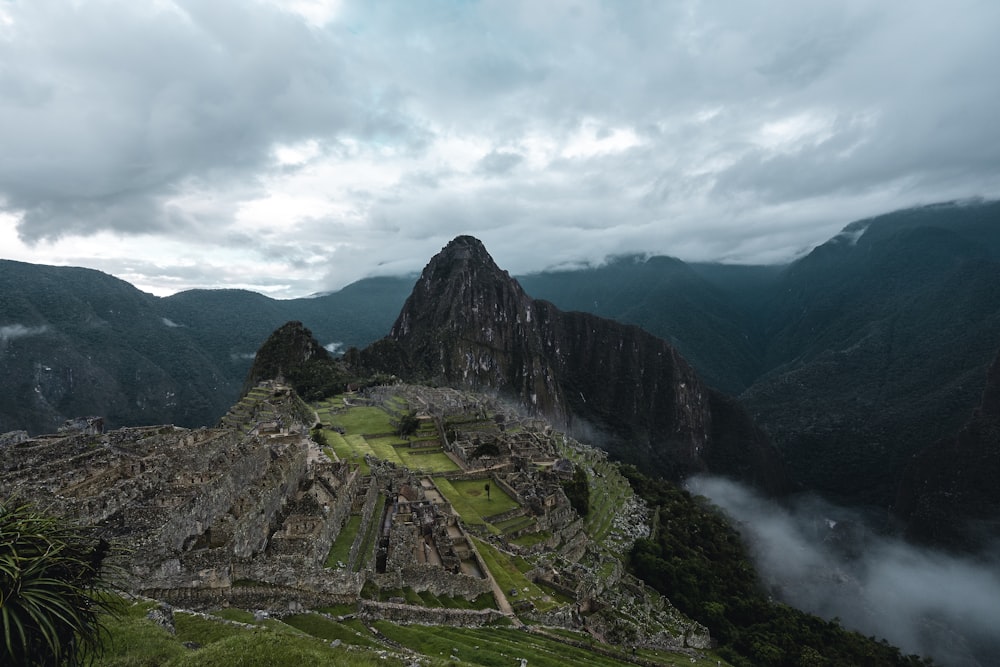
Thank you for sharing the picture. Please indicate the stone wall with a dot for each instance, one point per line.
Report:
(267, 598)
(294, 573)
(13, 438)
(367, 512)
(424, 577)
(370, 610)
(337, 514)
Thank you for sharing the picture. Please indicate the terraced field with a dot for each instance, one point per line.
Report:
(608, 491)
(233, 636)
(504, 647)
(354, 431)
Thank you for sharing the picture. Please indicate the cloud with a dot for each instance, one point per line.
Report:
(299, 146)
(14, 331)
(117, 107)
(823, 559)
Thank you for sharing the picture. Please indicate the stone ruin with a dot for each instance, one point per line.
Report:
(245, 514)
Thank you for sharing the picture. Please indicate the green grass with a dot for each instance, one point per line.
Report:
(508, 571)
(264, 648)
(233, 614)
(304, 640)
(370, 430)
(502, 647)
(515, 524)
(362, 420)
(319, 626)
(358, 444)
(428, 599)
(339, 610)
(383, 448)
(135, 641)
(191, 628)
(347, 451)
(429, 461)
(465, 510)
(468, 498)
(340, 550)
(531, 539)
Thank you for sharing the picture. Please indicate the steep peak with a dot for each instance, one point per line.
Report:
(460, 287)
(465, 247)
(287, 350)
(466, 259)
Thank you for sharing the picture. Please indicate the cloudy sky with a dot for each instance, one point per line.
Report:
(293, 147)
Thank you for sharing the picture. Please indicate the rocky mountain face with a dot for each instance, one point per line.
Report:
(469, 323)
(671, 300)
(949, 496)
(857, 356)
(853, 358)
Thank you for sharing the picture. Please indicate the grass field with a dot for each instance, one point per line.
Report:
(508, 571)
(432, 462)
(135, 641)
(469, 499)
(364, 420)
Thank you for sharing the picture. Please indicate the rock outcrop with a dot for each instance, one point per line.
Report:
(468, 323)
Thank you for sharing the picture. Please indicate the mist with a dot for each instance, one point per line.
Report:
(14, 331)
(823, 559)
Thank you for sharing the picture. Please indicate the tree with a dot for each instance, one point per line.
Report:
(408, 424)
(51, 582)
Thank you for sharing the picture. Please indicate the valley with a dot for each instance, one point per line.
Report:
(448, 474)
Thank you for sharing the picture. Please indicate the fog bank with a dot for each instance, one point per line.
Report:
(821, 558)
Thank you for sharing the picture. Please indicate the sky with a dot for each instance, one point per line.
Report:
(295, 147)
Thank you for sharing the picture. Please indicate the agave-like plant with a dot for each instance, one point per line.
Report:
(50, 588)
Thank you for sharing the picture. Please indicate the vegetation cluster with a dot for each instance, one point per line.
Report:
(51, 577)
(698, 560)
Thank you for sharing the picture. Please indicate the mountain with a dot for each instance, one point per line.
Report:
(853, 358)
(76, 342)
(949, 495)
(291, 354)
(877, 343)
(671, 300)
(468, 323)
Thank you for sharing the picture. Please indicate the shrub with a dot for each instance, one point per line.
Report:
(50, 580)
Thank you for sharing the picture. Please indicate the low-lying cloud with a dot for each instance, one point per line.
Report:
(822, 559)
(14, 331)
